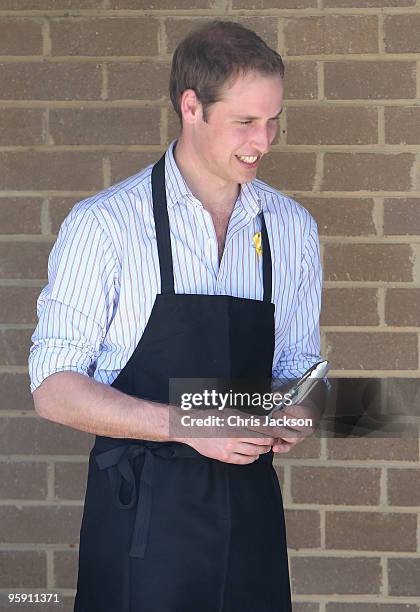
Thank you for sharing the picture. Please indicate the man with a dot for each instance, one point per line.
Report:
(194, 269)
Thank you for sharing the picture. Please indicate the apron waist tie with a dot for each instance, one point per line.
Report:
(117, 462)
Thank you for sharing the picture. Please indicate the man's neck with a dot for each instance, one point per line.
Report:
(216, 196)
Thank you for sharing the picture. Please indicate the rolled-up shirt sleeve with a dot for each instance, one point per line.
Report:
(76, 306)
(302, 343)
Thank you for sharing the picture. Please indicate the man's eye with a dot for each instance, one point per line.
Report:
(244, 122)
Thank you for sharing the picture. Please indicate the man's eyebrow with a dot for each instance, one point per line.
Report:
(250, 118)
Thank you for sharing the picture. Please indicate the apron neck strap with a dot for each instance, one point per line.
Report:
(163, 237)
(267, 272)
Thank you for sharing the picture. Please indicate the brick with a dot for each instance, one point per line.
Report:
(305, 607)
(370, 531)
(401, 216)
(370, 607)
(280, 475)
(273, 4)
(354, 404)
(335, 485)
(335, 575)
(402, 397)
(20, 215)
(55, 170)
(22, 568)
(174, 126)
(342, 216)
(20, 37)
(367, 3)
(370, 80)
(161, 4)
(372, 351)
(24, 259)
(300, 80)
(331, 125)
(40, 524)
(353, 306)
(303, 528)
(127, 80)
(125, 164)
(48, 4)
(70, 480)
(402, 125)
(36, 436)
(105, 36)
(88, 126)
(14, 347)
(309, 448)
(18, 304)
(50, 81)
(59, 209)
(373, 449)
(341, 34)
(404, 487)
(65, 569)
(177, 29)
(402, 307)
(367, 172)
(21, 126)
(289, 171)
(368, 262)
(403, 577)
(18, 396)
(401, 33)
(23, 480)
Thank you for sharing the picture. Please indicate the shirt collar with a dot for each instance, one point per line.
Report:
(177, 189)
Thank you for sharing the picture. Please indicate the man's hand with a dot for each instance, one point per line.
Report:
(232, 450)
(230, 444)
(287, 437)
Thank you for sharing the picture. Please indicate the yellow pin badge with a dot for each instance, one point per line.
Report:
(257, 243)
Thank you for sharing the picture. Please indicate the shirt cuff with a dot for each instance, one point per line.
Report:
(49, 356)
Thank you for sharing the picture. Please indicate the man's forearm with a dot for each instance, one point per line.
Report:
(77, 401)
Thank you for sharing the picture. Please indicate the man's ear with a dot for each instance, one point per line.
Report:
(191, 107)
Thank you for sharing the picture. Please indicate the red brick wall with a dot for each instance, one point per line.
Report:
(75, 116)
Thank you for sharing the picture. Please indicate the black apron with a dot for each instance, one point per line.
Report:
(165, 529)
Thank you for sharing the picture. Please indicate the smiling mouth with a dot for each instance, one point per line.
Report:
(248, 159)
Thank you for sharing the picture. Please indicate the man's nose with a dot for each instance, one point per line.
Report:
(262, 139)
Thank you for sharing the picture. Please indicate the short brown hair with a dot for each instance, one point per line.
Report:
(210, 57)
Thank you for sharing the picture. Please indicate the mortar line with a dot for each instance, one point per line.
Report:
(381, 34)
(106, 171)
(418, 529)
(164, 120)
(383, 488)
(50, 569)
(50, 482)
(418, 77)
(104, 86)
(46, 38)
(281, 42)
(378, 216)
(45, 217)
(381, 306)
(321, 80)
(384, 578)
(381, 125)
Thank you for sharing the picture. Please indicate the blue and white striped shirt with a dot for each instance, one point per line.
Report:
(103, 274)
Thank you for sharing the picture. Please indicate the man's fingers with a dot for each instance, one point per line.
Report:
(282, 445)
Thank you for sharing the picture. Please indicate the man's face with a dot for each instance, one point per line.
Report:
(243, 123)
